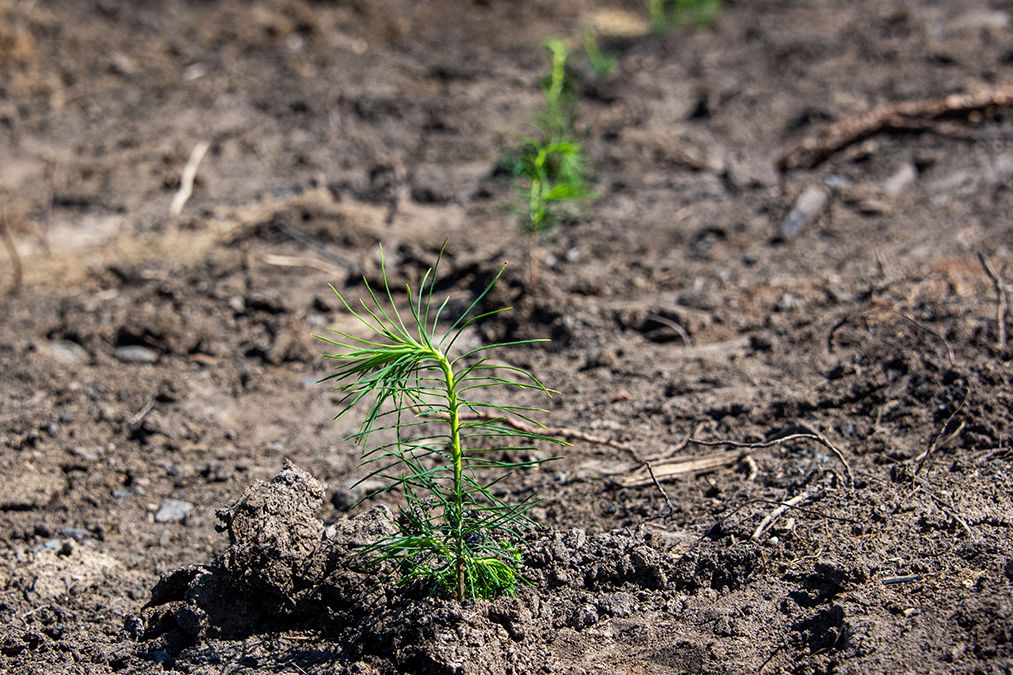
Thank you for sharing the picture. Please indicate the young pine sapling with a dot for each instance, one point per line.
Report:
(432, 431)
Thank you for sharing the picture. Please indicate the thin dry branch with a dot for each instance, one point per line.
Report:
(681, 467)
(660, 470)
(299, 261)
(187, 178)
(679, 330)
(324, 251)
(904, 116)
(784, 506)
(1001, 300)
(17, 269)
(938, 439)
(811, 434)
(950, 357)
(563, 432)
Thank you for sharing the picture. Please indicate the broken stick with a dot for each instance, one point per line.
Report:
(187, 178)
(1001, 300)
(17, 270)
(904, 116)
(784, 506)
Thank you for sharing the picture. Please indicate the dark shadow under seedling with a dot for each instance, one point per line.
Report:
(427, 434)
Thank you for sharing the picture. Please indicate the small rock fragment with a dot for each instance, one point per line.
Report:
(66, 352)
(78, 534)
(618, 604)
(134, 354)
(585, 617)
(901, 180)
(173, 511)
(808, 205)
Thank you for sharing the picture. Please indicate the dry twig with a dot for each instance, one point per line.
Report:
(298, 261)
(1001, 300)
(677, 468)
(938, 440)
(568, 434)
(901, 580)
(17, 270)
(811, 434)
(950, 357)
(679, 330)
(905, 116)
(187, 178)
(314, 245)
(784, 506)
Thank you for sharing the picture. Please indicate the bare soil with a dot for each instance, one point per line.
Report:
(177, 496)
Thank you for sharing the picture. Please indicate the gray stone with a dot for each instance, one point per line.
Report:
(618, 604)
(585, 617)
(808, 205)
(900, 180)
(173, 511)
(76, 533)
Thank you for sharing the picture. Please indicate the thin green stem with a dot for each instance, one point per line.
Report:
(457, 457)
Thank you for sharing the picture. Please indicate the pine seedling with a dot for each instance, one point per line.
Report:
(432, 431)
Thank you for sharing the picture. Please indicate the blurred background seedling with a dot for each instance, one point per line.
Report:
(549, 166)
(426, 434)
(668, 14)
(601, 63)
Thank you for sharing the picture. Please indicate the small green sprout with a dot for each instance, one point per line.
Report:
(427, 434)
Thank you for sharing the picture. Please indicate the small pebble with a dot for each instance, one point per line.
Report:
(76, 533)
(173, 511)
(134, 354)
(808, 205)
(67, 352)
(901, 180)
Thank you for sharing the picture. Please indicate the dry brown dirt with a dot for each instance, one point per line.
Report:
(154, 371)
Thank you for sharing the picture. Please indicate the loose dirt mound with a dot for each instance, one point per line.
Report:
(284, 570)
